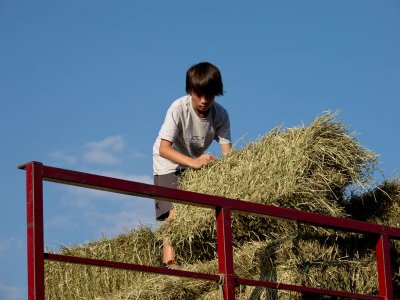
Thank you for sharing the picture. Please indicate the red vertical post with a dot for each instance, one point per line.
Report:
(225, 251)
(384, 267)
(35, 239)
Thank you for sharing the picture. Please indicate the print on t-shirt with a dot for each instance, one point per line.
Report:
(196, 145)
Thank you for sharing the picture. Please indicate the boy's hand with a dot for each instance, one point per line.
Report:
(170, 153)
(202, 161)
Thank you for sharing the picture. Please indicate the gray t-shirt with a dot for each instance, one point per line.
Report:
(190, 134)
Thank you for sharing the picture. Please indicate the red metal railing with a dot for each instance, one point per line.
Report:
(36, 173)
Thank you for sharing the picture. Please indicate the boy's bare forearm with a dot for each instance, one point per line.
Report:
(226, 148)
(175, 156)
(170, 153)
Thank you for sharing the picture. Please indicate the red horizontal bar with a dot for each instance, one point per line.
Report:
(302, 289)
(151, 191)
(392, 232)
(128, 266)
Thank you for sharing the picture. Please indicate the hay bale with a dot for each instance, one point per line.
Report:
(288, 166)
(72, 281)
(248, 262)
(328, 261)
(163, 287)
(324, 262)
(305, 168)
(380, 205)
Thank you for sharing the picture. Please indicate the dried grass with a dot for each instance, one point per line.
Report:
(306, 168)
(161, 287)
(380, 205)
(309, 168)
(73, 281)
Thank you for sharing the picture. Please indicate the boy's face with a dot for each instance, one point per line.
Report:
(202, 104)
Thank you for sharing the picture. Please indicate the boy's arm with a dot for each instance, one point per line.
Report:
(170, 153)
(225, 148)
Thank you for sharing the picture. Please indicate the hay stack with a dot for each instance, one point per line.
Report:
(304, 168)
(308, 168)
(327, 261)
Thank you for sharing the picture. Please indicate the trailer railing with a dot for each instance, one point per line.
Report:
(36, 173)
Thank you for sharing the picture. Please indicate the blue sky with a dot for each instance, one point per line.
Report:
(84, 85)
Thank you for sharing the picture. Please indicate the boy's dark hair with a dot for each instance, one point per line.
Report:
(204, 79)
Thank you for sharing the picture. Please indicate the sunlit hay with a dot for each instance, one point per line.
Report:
(72, 281)
(324, 262)
(243, 293)
(162, 287)
(256, 293)
(288, 166)
(200, 244)
(305, 168)
(308, 168)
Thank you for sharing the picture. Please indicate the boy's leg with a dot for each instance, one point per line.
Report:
(163, 207)
(164, 211)
(167, 251)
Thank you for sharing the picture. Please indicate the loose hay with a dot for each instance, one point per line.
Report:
(380, 205)
(73, 281)
(308, 168)
(304, 168)
(161, 287)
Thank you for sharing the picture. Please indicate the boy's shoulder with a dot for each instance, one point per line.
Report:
(180, 103)
(220, 110)
(219, 106)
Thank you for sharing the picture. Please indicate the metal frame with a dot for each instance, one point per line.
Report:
(36, 173)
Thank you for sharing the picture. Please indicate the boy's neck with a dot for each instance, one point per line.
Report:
(201, 114)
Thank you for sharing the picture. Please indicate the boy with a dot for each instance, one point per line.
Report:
(192, 122)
